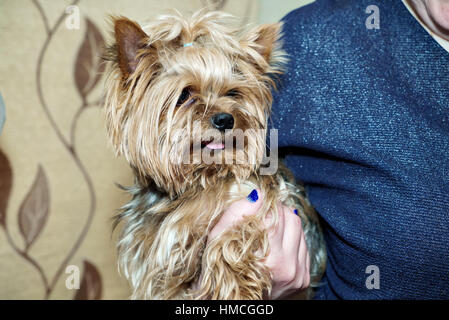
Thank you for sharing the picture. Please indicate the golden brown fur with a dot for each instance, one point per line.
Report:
(162, 246)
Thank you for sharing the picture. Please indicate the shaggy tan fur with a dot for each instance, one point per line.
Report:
(158, 88)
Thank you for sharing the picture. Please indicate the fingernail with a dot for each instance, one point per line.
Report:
(253, 196)
(295, 211)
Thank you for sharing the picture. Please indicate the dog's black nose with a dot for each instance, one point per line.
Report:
(222, 121)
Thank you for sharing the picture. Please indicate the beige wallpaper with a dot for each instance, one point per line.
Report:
(273, 11)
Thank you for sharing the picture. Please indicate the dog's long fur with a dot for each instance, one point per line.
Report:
(163, 245)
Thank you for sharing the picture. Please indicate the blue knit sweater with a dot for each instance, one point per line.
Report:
(365, 116)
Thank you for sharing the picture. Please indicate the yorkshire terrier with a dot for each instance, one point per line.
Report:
(187, 104)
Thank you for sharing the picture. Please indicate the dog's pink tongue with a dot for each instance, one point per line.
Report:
(215, 146)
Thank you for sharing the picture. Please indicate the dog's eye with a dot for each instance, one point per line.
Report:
(232, 93)
(185, 95)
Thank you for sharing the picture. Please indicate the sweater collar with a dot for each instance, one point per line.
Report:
(442, 42)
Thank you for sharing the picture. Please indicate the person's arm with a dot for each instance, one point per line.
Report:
(288, 258)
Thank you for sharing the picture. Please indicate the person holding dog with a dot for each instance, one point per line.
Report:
(363, 119)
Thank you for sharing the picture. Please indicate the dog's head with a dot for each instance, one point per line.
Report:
(188, 100)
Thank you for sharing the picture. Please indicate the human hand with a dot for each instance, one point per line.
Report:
(288, 258)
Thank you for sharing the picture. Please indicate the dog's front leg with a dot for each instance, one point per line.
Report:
(232, 264)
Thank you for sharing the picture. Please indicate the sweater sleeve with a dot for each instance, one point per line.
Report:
(363, 121)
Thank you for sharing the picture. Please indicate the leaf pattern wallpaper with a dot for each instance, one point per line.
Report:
(57, 172)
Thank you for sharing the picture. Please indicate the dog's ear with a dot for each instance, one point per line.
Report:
(130, 38)
(265, 40)
(266, 37)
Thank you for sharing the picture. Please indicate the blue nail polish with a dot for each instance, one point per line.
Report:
(253, 196)
(295, 211)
